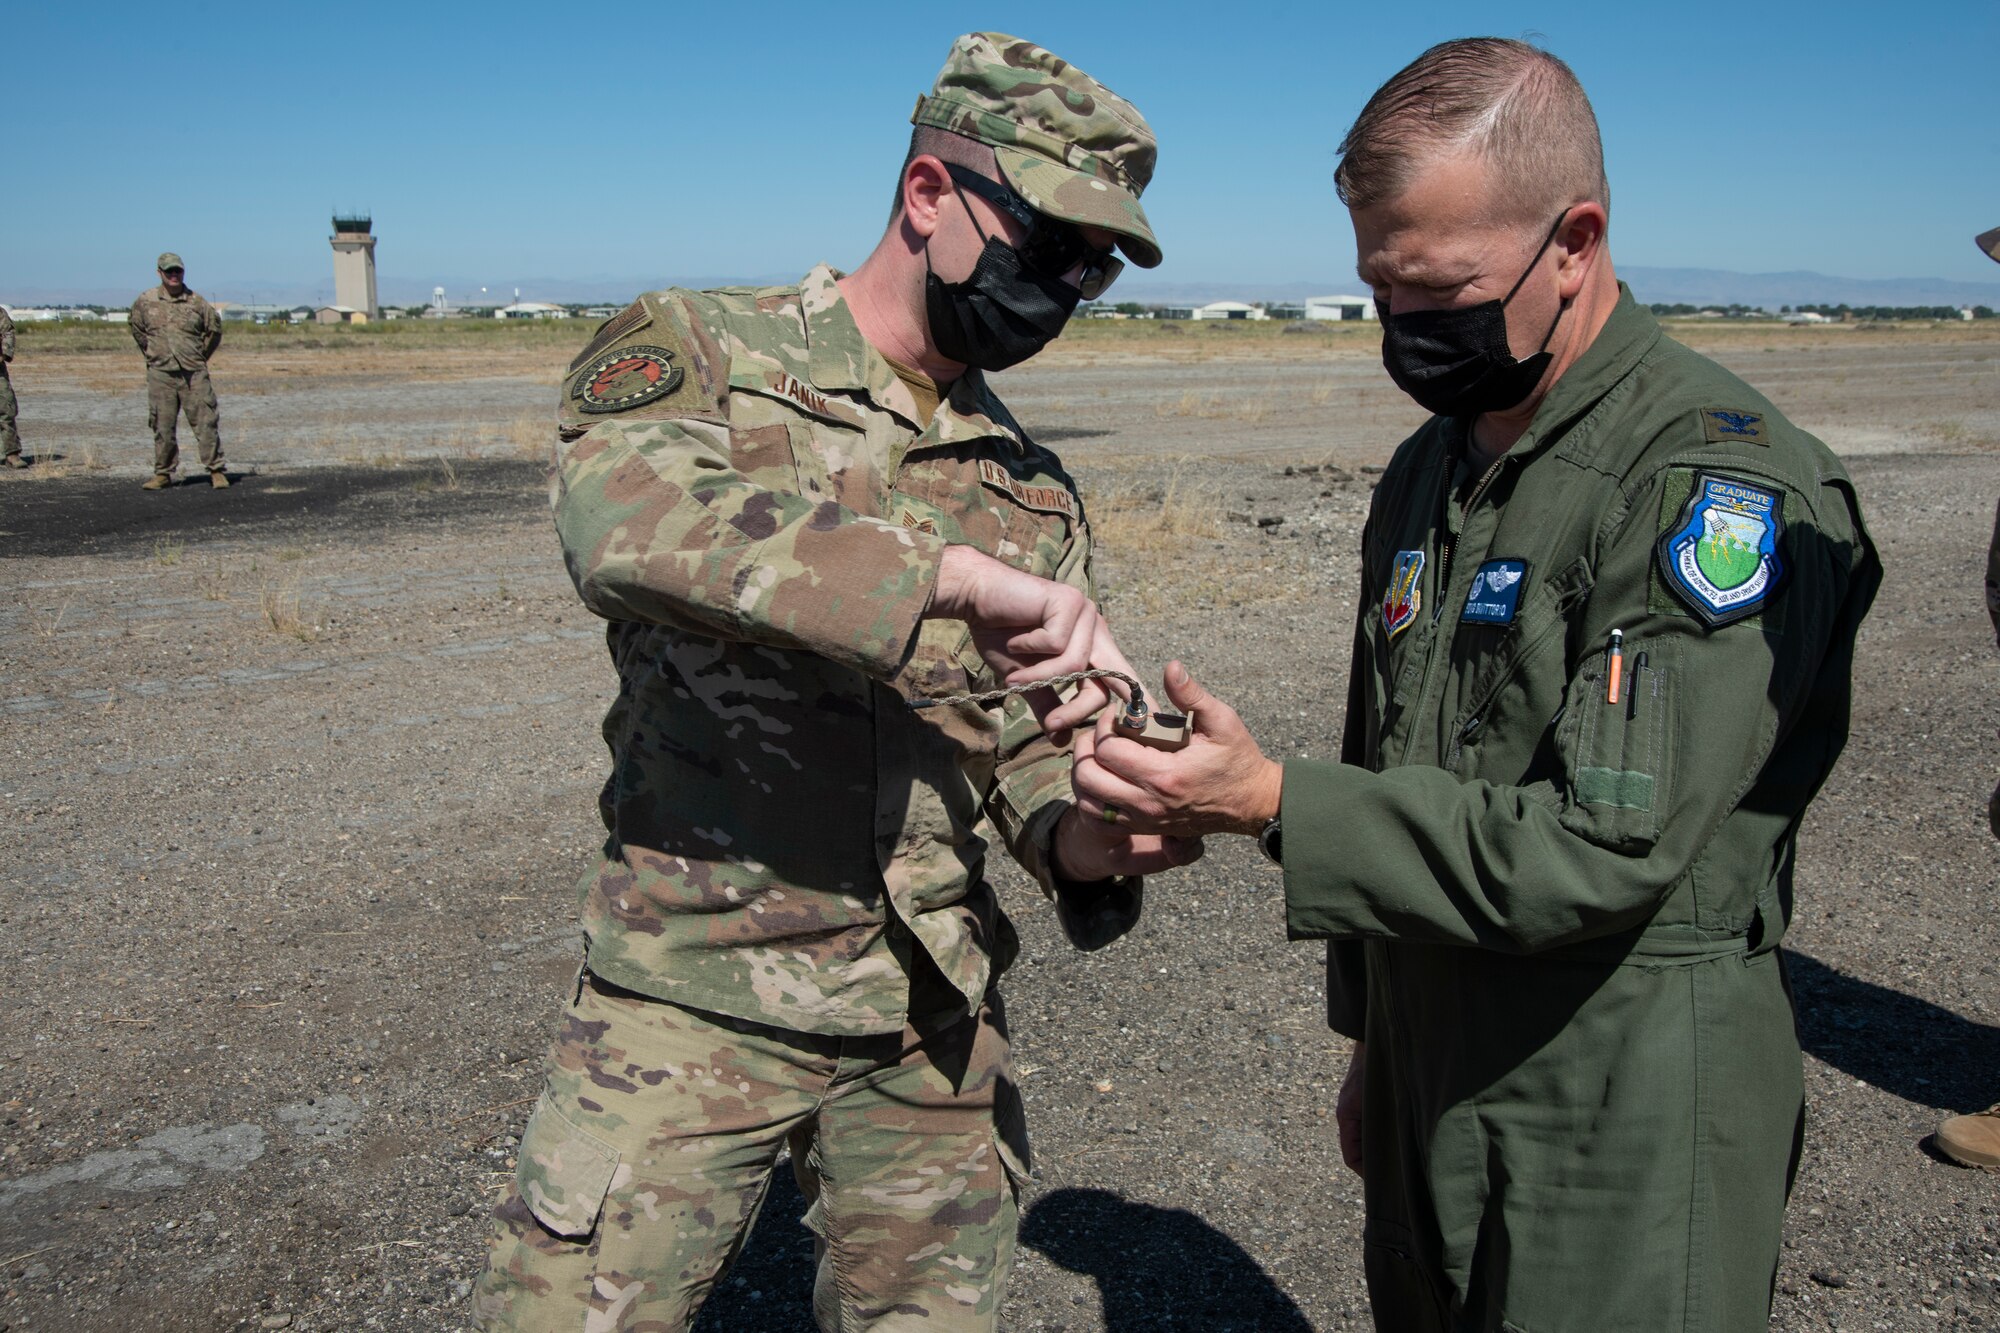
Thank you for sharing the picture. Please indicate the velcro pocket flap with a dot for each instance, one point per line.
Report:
(1617, 756)
(564, 1173)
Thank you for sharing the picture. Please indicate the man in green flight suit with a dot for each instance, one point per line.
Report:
(802, 509)
(1602, 665)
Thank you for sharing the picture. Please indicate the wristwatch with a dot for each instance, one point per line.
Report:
(1271, 839)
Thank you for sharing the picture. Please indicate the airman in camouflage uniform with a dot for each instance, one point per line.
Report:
(800, 512)
(177, 332)
(10, 437)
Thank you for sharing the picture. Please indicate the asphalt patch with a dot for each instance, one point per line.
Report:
(113, 516)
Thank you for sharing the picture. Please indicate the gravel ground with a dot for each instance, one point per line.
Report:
(297, 778)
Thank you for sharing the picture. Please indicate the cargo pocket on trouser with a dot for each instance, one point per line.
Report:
(541, 1271)
(1399, 1290)
(564, 1173)
(1618, 756)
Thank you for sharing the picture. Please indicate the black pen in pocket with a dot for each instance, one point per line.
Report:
(1638, 675)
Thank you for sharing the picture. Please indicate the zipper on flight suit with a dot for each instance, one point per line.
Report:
(1442, 586)
(1445, 549)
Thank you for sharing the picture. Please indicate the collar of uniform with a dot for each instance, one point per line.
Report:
(971, 411)
(839, 358)
(1625, 338)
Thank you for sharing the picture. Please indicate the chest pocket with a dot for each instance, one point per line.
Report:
(965, 496)
(1515, 682)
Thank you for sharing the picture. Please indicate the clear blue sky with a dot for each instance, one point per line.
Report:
(503, 141)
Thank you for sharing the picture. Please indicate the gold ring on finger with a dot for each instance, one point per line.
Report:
(1111, 814)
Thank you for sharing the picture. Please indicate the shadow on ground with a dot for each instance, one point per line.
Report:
(1158, 1268)
(1155, 1268)
(101, 515)
(1905, 1046)
(769, 1289)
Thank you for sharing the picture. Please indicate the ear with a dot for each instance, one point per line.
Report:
(1577, 244)
(925, 187)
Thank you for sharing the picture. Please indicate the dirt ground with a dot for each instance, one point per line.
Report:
(296, 780)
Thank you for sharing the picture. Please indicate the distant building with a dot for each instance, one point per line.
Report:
(258, 314)
(1340, 307)
(531, 310)
(339, 314)
(354, 264)
(1965, 312)
(1284, 310)
(1227, 310)
(601, 312)
(1807, 317)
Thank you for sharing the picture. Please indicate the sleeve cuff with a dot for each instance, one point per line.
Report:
(1312, 790)
(1092, 913)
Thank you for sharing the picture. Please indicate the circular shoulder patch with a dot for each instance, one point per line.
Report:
(626, 377)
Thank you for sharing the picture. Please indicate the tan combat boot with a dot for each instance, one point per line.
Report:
(15, 460)
(160, 482)
(219, 481)
(1972, 1140)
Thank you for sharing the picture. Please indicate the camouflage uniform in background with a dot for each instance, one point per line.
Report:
(790, 937)
(177, 335)
(10, 436)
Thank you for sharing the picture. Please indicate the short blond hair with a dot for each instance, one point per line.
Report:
(952, 149)
(1514, 105)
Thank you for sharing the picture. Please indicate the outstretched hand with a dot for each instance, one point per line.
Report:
(1220, 783)
(1087, 850)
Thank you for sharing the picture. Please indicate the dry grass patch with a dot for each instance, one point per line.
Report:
(48, 625)
(284, 613)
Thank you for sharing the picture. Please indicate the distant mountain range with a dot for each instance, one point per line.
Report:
(1694, 286)
(1665, 286)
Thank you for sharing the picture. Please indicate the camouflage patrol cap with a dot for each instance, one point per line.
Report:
(1989, 241)
(1070, 146)
(169, 260)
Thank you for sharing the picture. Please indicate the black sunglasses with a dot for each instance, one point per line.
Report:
(1053, 247)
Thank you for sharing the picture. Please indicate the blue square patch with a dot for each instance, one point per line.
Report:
(1496, 593)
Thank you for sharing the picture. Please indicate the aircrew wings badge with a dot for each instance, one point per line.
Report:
(1400, 602)
(1720, 558)
(626, 377)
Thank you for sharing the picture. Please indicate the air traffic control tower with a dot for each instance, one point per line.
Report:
(354, 264)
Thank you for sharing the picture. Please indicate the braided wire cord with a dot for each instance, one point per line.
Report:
(1053, 683)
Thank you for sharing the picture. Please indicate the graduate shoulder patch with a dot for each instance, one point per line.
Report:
(626, 377)
(1719, 555)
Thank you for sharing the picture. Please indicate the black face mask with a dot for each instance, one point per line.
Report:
(1457, 363)
(1001, 314)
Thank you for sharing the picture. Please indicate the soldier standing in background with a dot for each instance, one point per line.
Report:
(1974, 1140)
(801, 509)
(10, 436)
(178, 332)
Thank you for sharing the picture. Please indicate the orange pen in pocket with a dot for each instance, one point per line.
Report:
(1615, 665)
